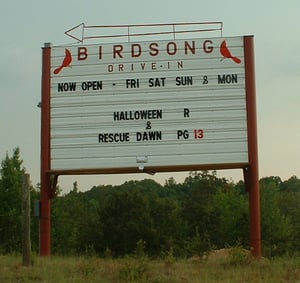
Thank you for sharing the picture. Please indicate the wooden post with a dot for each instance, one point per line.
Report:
(251, 173)
(45, 217)
(26, 239)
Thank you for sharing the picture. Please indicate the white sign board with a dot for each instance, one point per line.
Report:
(148, 104)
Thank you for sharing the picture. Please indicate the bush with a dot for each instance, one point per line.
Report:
(239, 256)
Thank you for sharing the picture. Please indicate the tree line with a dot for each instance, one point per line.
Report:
(190, 218)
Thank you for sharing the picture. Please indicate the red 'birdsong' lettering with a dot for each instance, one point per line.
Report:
(153, 49)
(82, 53)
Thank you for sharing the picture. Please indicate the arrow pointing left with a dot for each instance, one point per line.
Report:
(79, 32)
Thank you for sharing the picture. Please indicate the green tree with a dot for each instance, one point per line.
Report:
(76, 228)
(126, 220)
(291, 185)
(10, 199)
(289, 204)
(276, 227)
(229, 217)
(200, 189)
(185, 219)
(168, 225)
(137, 211)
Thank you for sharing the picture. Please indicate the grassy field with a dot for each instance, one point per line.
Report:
(170, 270)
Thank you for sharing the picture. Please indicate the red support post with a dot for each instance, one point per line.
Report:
(251, 172)
(45, 215)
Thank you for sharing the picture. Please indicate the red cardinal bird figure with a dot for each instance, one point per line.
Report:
(66, 62)
(227, 54)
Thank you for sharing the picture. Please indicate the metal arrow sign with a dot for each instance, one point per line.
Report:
(83, 32)
(78, 27)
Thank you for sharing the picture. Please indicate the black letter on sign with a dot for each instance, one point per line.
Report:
(148, 125)
(186, 112)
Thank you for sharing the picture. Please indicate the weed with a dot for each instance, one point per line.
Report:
(239, 256)
(232, 265)
(169, 257)
(139, 251)
(133, 270)
(85, 269)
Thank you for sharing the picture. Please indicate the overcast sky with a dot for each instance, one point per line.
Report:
(26, 25)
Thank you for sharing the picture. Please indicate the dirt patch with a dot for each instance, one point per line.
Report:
(218, 254)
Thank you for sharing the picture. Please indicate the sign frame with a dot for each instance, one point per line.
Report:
(49, 177)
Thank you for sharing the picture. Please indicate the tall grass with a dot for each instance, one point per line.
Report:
(229, 268)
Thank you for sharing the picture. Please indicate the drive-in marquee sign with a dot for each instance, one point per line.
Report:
(157, 104)
(148, 106)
